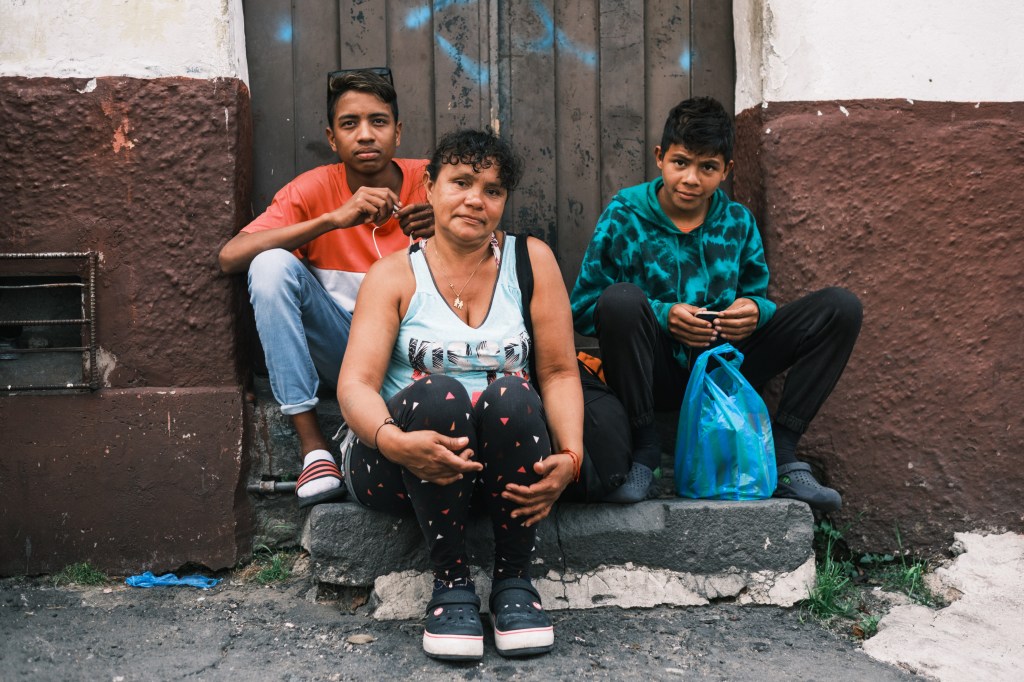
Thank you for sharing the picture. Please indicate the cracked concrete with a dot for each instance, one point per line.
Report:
(980, 636)
(660, 552)
(400, 596)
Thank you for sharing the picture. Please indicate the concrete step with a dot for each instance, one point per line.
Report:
(666, 551)
(658, 552)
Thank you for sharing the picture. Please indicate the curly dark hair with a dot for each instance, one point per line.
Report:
(479, 149)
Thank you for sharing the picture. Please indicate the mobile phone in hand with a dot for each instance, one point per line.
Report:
(707, 315)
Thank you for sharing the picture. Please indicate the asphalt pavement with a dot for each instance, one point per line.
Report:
(244, 631)
(291, 631)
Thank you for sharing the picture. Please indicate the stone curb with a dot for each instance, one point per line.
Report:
(678, 552)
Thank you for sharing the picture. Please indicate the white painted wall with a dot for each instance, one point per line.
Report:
(138, 38)
(937, 50)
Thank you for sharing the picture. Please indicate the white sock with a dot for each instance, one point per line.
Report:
(320, 485)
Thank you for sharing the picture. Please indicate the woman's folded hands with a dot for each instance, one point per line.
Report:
(428, 454)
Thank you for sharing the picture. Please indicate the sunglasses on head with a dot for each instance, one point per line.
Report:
(333, 76)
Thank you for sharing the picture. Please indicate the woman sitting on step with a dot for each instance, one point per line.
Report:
(435, 385)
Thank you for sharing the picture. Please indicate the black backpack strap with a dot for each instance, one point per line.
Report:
(524, 274)
(606, 440)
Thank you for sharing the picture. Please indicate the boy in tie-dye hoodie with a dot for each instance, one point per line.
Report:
(677, 247)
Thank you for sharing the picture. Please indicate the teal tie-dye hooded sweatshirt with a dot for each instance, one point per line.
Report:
(711, 266)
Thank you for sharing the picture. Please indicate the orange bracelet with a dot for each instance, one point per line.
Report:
(577, 462)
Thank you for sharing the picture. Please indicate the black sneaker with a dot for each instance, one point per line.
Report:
(454, 631)
(796, 482)
(521, 626)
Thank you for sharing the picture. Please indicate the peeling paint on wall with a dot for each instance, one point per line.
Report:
(106, 362)
(153, 39)
(121, 140)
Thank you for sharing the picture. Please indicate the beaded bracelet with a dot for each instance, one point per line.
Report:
(577, 462)
(376, 433)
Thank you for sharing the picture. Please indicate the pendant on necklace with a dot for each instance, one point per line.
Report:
(458, 303)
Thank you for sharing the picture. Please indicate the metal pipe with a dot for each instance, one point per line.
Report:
(52, 349)
(42, 323)
(54, 285)
(271, 487)
(51, 254)
(14, 388)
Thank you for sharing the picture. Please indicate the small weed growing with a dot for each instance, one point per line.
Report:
(866, 627)
(844, 580)
(79, 574)
(904, 574)
(269, 567)
(833, 594)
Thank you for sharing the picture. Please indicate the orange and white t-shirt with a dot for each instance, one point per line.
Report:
(339, 259)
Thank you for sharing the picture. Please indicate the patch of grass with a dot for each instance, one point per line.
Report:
(268, 566)
(904, 573)
(80, 574)
(845, 581)
(833, 594)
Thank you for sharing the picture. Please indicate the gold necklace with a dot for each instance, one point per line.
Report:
(458, 302)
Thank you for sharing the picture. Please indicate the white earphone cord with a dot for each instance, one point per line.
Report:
(373, 236)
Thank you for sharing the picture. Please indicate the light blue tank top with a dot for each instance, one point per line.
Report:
(433, 340)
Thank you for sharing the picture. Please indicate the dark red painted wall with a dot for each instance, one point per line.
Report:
(917, 208)
(130, 480)
(153, 175)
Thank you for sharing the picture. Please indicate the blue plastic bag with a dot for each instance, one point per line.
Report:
(147, 579)
(724, 446)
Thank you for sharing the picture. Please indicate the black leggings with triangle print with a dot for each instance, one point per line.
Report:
(507, 432)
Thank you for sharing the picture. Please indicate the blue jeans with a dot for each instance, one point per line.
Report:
(303, 330)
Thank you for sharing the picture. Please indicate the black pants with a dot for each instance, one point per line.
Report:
(507, 432)
(811, 337)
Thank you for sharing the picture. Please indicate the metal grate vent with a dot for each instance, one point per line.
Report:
(48, 322)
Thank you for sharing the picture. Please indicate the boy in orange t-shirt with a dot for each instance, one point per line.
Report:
(308, 252)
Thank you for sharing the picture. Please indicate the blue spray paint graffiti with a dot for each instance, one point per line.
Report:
(685, 59)
(554, 35)
(417, 17)
(284, 30)
(471, 68)
(420, 16)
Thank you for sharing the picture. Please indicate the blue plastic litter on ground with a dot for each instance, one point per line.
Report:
(147, 579)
